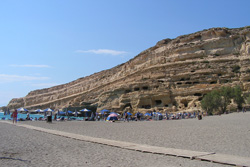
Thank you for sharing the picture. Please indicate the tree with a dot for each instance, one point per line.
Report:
(227, 94)
(211, 102)
(218, 100)
(237, 96)
(248, 99)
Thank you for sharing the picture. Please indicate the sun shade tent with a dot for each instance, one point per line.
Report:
(113, 113)
(69, 112)
(147, 114)
(112, 117)
(76, 113)
(129, 113)
(85, 110)
(104, 111)
(61, 113)
(21, 109)
(38, 110)
(48, 109)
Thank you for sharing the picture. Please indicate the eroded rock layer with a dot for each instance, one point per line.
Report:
(173, 75)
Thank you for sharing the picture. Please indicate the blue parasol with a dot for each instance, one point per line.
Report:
(38, 110)
(22, 109)
(70, 112)
(147, 114)
(61, 113)
(129, 113)
(48, 109)
(104, 110)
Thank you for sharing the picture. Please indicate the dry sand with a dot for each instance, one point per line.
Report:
(227, 134)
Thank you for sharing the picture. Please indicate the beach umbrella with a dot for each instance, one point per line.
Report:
(104, 110)
(61, 113)
(70, 112)
(76, 113)
(138, 113)
(147, 114)
(38, 110)
(22, 109)
(85, 110)
(48, 109)
(129, 113)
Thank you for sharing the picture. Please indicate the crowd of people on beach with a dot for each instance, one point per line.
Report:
(112, 116)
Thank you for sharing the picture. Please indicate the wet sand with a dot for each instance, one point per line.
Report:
(227, 134)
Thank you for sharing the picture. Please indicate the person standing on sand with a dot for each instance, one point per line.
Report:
(14, 115)
(55, 117)
(126, 116)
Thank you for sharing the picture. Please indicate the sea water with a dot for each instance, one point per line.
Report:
(19, 115)
(33, 116)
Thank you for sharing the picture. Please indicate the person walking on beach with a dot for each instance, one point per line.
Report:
(126, 116)
(138, 116)
(14, 115)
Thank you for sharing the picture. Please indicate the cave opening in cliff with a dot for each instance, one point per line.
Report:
(225, 81)
(127, 105)
(185, 102)
(136, 89)
(213, 82)
(158, 102)
(197, 94)
(127, 91)
(188, 83)
(145, 87)
(146, 106)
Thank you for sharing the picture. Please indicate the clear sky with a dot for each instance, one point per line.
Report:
(44, 43)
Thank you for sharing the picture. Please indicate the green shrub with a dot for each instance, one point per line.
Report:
(217, 101)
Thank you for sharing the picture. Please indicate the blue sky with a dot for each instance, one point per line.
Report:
(44, 43)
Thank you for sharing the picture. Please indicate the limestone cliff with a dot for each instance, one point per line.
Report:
(173, 75)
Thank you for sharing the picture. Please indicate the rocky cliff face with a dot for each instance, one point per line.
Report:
(173, 75)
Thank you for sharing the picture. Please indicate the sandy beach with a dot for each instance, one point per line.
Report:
(226, 134)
